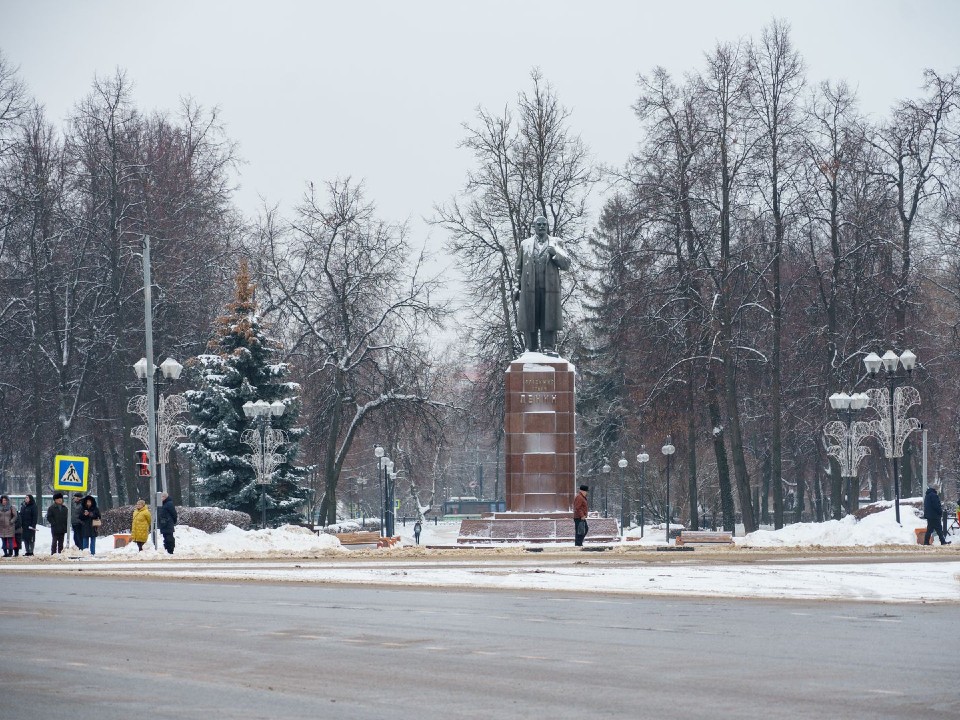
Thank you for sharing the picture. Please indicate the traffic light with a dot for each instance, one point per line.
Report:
(143, 463)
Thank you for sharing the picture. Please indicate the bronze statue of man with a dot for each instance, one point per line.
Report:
(539, 315)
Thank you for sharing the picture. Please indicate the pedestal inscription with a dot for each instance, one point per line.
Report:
(540, 448)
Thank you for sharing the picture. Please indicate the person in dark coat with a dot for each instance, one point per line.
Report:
(88, 514)
(28, 519)
(580, 510)
(417, 528)
(17, 536)
(166, 522)
(933, 512)
(75, 520)
(57, 519)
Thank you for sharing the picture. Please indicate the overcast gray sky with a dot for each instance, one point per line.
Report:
(378, 90)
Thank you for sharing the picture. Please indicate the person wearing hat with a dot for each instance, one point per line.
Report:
(140, 524)
(166, 522)
(89, 522)
(57, 518)
(75, 520)
(933, 512)
(29, 517)
(580, 509)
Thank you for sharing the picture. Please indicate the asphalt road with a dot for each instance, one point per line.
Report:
(88, 648)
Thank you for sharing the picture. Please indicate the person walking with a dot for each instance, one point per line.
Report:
(28, 519)
(8, 525)
(75, 522)
(90, 524)
(580, 509)
(417, 528)
(140, 524)
(933, 512)
(167, 521)
(57, 518)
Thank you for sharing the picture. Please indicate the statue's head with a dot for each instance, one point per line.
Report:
(540, 225)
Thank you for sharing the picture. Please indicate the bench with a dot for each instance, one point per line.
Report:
(363, 537)
(689, 537)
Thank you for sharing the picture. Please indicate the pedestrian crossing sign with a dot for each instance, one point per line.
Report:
(70, 473)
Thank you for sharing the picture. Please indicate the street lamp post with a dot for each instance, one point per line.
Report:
(361, 483)
(378, 452)
(385, 465)
(148, 376)
(160, 429)
(894, 402)
(642, 458)
(606, 475)
(622, 463)
(391, 484)
(848, 451)
(668, 449)
(264, 442)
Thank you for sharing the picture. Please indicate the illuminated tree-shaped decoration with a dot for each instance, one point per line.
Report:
(168, 428)
(847, 448)
(264, 457)
(904, 398)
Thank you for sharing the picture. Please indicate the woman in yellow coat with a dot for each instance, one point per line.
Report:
(140, 527)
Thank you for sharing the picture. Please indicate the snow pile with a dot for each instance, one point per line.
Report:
(232, 541)
(285, 541)
(879, 528)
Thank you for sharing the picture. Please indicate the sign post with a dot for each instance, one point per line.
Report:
(70, 474)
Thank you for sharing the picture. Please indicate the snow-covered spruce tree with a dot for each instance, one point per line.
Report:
(241, 367)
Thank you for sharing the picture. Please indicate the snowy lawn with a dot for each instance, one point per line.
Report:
(261, 554)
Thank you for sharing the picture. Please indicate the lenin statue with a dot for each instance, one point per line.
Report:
(539, 263)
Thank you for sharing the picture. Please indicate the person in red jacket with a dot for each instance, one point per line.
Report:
(580, 508)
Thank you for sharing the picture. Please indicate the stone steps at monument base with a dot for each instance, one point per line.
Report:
(543, 530)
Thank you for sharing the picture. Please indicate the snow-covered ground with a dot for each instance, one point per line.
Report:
(805, 574)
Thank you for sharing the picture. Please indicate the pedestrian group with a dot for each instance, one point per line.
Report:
(18, 529)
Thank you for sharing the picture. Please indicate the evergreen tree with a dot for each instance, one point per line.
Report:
(241, 368)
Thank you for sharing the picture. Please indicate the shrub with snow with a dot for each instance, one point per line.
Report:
(207, 519)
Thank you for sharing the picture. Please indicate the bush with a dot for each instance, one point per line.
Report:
(208, 519)
(862, 512)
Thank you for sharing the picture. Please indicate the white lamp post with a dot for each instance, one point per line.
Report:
(848, 451)
(382, 461)
(643, 458)
(264, 442)
(668, 449)
(606, 474)
(622, 463)
(388, 480)
(894, 402)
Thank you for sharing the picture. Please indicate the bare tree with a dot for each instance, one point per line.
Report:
(915, 155)
(776, 82)
(354, 306)
(14, 103)
(725, 90)
(528, 162)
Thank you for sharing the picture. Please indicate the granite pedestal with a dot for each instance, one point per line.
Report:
(541, 468)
